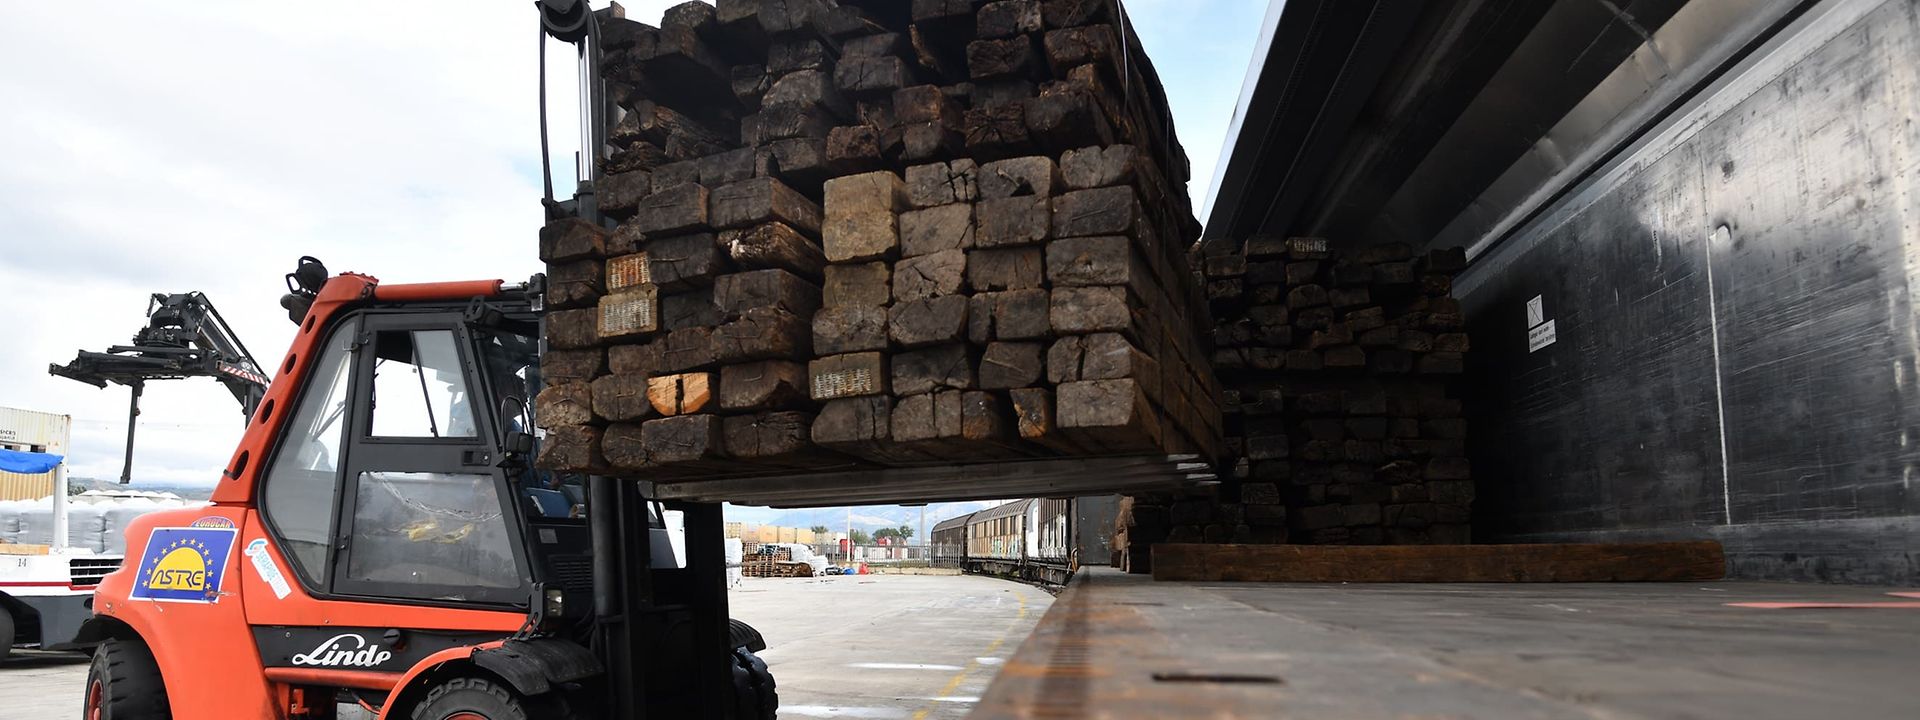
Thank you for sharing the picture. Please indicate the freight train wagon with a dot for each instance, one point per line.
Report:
(1023, 539)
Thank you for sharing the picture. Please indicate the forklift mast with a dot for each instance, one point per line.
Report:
(184, 337)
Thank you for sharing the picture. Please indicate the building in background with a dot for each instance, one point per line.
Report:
(29, 431)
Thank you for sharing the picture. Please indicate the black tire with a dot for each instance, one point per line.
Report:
(124, 683)
(470, 696)
(753, 690)
(6, 633)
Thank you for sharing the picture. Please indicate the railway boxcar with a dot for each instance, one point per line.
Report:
(950, 542)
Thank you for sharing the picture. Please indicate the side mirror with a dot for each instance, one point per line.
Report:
(515, 448)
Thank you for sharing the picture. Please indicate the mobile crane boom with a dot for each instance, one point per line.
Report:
(184, 337)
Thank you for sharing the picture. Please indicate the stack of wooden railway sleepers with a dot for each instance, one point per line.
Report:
(885, 232)
(1342, 416)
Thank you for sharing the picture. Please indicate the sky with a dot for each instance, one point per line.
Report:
(173, 146)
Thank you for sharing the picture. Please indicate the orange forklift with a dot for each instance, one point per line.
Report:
(381, 537)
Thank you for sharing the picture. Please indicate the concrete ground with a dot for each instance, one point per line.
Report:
(1124, 646)
(887, 646)
(914, 647)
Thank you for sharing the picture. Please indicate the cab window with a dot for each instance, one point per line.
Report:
(415, 531)
(419, 390)
(299, 490)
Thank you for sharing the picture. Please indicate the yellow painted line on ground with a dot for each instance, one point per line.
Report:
(974, 664)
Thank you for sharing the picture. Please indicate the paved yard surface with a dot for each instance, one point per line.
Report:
(1124, 646)
(887, 646)
(916, 647)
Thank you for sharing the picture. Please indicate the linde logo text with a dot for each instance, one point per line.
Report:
(345, 649)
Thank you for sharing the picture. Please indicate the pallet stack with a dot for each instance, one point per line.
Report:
(767, 561)
(891, 231)
(1338, 401)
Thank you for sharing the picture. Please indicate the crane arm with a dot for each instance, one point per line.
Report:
(184, 337)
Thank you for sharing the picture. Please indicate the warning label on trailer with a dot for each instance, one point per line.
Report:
(1540, 330)
(1541, 336)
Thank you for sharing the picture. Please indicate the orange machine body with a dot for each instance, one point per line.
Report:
(198, 597)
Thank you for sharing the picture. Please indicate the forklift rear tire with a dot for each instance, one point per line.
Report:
(470, 699)
(753, 686)
(124, 684)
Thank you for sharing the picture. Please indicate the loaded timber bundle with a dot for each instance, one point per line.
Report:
(1342, 420)
(879, 232)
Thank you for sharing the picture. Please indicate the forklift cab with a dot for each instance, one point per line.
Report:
(397, 549)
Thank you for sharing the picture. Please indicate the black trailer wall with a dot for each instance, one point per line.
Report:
(1735, 348)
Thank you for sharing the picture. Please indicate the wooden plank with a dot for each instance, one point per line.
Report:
(1011, 221)
(682, 394)
(762, 333)
(849, 328)
(573, 329)
(762, 200)
(862, 284)
(1009, 315)
(934, 229)
(572, 448)
(1008, 365)
(808, 88)
(630, 313)
(1034, 418)
(1108, 414)
(575, 284)
(631, 359)
(850, 375)
(931, 321)
(941, 367)
(678, 209)
(563, 366)
(766, 385)
(740, 292)
(1691, 561)
(571, 239)
(1020, 268)
(685, 438)
(775, 246)
(930, 276)
(679, 263)
(942, 183)
(620, 398)
(862, 216)
(693, 308)
(1029, 176)
(769, 435)
(564, 404)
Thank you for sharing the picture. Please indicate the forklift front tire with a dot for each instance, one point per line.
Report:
(469, 699)
(124, 683)
(6, 633)
(754, 695)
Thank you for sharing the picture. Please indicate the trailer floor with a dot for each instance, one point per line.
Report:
(1262, 650)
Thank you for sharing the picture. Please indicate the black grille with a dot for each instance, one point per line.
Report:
(86, 572)
(574, 573)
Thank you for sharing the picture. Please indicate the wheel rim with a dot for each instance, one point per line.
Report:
(463, 715)
(96, 692)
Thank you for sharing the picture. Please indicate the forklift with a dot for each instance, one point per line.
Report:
(382, 538)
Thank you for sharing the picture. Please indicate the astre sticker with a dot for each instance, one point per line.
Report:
(184, 564)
